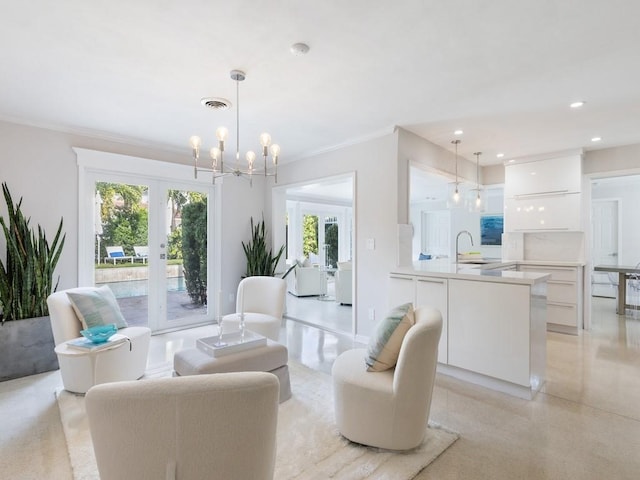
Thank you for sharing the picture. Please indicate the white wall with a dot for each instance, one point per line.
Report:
(40, 165)
(376, 206)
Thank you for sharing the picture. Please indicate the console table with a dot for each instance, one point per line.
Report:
(623, 274)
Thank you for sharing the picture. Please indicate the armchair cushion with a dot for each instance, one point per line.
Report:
(97, 307)
(384, 346)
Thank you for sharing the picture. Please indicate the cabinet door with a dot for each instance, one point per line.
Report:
(401, 290)
(489, 329)
(432, 292)
(554, 175)
(546, 213)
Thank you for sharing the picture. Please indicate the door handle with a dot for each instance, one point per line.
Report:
(162, 256)
(613, 255)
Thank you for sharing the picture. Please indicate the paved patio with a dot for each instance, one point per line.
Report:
(135, 309)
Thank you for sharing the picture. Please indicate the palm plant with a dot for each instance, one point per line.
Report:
(26, 280)
(260, 258)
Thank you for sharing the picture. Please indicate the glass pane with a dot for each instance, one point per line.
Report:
(186, 270)
(121, 229)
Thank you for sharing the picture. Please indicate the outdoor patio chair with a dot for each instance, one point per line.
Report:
(116, 253)
(142, 253)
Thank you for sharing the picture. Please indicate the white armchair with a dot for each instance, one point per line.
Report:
(307, 281)
(262, 301)
(202, 426)
(81, 371)
(389, 409)
(344, 287)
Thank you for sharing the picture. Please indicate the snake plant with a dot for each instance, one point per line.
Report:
(26, 278)
(260, 258)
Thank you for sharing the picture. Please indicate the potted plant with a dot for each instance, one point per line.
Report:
(260, 258)
(26, 280)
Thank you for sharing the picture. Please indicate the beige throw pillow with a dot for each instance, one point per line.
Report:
(97, 307)
(384, 346)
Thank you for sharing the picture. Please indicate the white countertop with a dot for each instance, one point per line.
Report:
(551, 263)
(444, 268)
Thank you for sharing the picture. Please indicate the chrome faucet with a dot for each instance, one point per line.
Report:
(458, 241)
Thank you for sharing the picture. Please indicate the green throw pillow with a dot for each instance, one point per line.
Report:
(97, 307)
(384, 346)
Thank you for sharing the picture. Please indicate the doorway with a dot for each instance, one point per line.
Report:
(149, 240)
(316, 226)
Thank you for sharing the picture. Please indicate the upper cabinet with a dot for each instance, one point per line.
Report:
(543, 194)
(544, 177)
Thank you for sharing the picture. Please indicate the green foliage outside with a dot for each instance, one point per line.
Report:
(174, 244)
(26, 279)
(309, 235)
(125, 219)
(331, 239)
(194, 250)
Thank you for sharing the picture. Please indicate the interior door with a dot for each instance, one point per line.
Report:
(604, 215)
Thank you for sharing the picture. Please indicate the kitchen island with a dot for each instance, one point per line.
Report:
(494, 320)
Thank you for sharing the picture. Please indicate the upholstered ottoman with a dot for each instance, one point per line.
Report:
(272, 357)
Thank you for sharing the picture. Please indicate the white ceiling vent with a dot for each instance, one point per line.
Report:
(216, 103)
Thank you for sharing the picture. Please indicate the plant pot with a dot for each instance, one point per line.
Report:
(26, 348)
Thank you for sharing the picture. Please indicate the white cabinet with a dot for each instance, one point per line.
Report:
(433, 292)
(564, 296)
(402, 289)
(490, 329)
(423, 291)
(549, 212)
(544, 195)
(554, 175)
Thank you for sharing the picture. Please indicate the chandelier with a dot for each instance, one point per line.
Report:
(218, 166)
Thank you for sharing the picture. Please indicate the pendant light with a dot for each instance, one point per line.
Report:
(475, 201)
(455, 199)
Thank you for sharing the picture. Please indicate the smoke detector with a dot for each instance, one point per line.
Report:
(299, 49)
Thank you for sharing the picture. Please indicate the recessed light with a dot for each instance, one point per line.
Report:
(596, 139)
(500, 155)
(458, 132)
(577, 104)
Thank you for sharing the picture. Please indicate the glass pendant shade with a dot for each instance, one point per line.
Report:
(476, 200)
(476, 195)
(455, 195)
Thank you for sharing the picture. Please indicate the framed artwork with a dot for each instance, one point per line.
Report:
(491, 228)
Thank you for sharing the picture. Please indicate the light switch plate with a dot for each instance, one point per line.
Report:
(371, 244)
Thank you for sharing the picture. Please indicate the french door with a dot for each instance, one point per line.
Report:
(150, 242)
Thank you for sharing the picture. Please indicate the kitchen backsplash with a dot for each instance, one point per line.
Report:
(552, 246)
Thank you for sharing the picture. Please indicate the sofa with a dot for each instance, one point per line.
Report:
(307, 281)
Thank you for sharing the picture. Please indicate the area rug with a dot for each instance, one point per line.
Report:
(309, 445)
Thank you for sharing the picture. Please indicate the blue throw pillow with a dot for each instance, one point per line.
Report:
(116, 254)
(424, 257)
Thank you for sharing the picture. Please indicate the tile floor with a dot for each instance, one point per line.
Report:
(585, 424)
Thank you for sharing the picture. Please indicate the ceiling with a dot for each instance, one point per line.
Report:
(503, 71)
